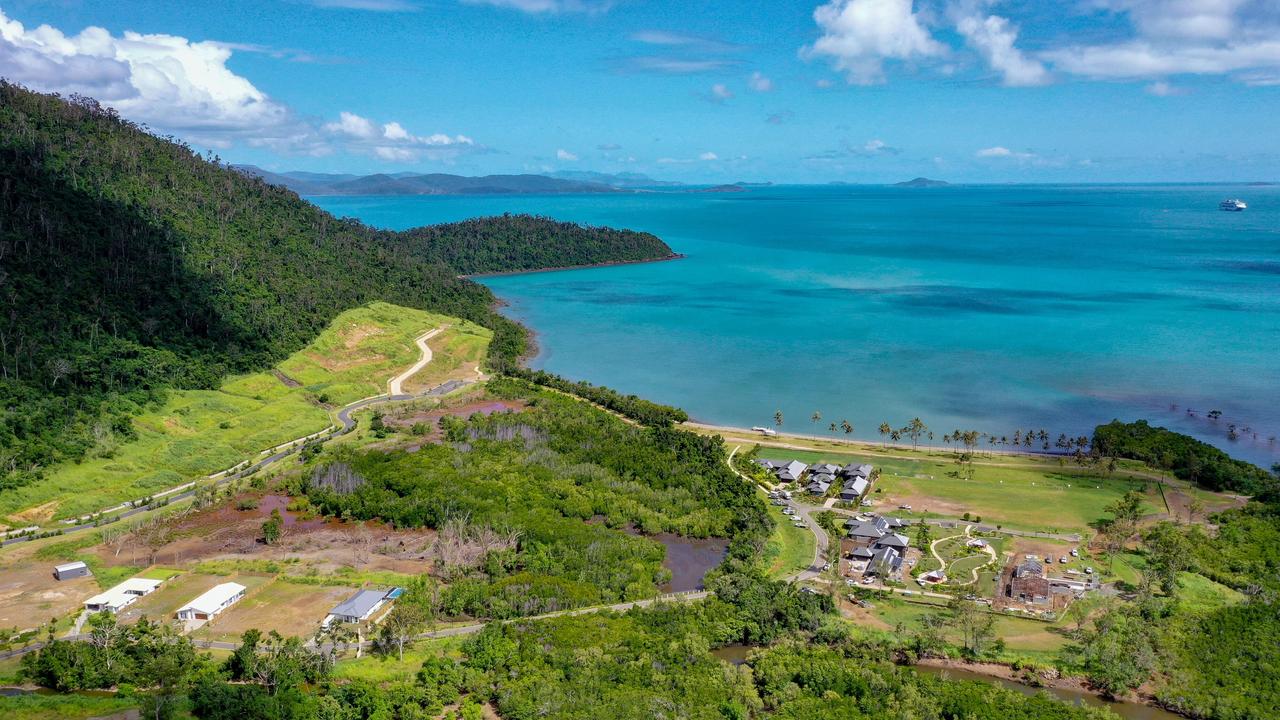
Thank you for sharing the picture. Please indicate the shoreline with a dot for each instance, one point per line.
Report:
(588, 266)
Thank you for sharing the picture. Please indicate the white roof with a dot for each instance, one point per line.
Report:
(69, 566)
(214, 598)
(124, 593)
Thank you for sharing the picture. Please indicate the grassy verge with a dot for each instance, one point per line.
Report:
(790, 549)
(198, 432)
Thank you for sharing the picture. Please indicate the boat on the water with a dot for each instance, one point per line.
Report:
(1232, 205)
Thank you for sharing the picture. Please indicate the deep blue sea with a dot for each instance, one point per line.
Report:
(977, 307)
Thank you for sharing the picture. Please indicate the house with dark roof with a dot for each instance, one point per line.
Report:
(885, 563)
(893, 540)
(1027, 583)
(853, 489)
(825, 469)
(361, 606)
(791, 472)
(851, 471)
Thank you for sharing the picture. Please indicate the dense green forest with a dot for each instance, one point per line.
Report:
(131, 264)
(1187, 457)
(521, 242)
(537, 502)
(645, 412)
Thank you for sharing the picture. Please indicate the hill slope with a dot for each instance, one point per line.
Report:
(129, 264)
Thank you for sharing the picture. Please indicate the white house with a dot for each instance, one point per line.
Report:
(120, 596)
(213, 601)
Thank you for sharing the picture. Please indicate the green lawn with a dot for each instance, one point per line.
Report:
(1198, 593)
(790, 549)
(70, 706)
(1021, 493)
(381, 668)
(1023, 637)
(198, 432)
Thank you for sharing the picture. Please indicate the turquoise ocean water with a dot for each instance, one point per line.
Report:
(992, 308)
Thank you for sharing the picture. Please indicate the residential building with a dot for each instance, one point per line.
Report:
(1027, 583)
(213, 601)
(361, 606)
(121, 596)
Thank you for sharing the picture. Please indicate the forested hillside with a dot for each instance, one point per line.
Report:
(130, 264)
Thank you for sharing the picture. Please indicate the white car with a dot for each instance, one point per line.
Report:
(904, 507)
(1088, 571)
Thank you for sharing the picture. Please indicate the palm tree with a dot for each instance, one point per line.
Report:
(914, 430)
(832, 427)
(815, 417)
(847, 427)
(777, 418)
(884, 430)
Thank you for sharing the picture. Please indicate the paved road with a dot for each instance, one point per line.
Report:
(806, 515)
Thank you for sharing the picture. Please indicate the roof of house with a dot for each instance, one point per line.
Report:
(786, 475)
(1028, 567)
(887, 556)
(892, 540)
(866, 530)
(862, 470)
(863, 553)
(124, 593)
(818, 486)
(65, 567)
(795, 467)
(827, 468)
(858, 485)
(214, 598)
(360, 604)
(822, 477)
(767, 463)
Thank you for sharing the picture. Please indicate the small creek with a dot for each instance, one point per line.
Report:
(689, 559)
(736, 654)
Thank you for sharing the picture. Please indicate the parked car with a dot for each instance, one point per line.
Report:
(904, 507)
(1075, 553)
(1062, 559)
(1088, 571)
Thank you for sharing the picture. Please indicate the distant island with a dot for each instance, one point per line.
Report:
(734, 188)
(308, 183)
(922, 182)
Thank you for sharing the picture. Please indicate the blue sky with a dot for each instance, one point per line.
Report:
(788, 91)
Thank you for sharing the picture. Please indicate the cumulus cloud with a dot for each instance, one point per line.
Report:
(708, 156)
(391, 141)
(1181, 37)
(859, 35)
(185, 87)
(162, 80)
(562, 154)
(871, 148)
(759, 82)
(994, 39)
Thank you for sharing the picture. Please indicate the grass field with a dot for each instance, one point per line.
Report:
(382, 668)
(1022, 493)
(64, 707)
(1200, 594)
(288, 608)
(198, 432)
(1023, 637)
(790, 549)
(161, 605)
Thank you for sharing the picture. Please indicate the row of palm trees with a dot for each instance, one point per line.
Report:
(916, 429)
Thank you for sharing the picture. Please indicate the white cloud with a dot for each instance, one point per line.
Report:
(354, 126)
(859, 35)
(1000, 151)
(1181, 37)
(719, 93)
(994, 39)
(547, 7)
(563, 154)
(759, 82)
(708, 156)
(162, 80)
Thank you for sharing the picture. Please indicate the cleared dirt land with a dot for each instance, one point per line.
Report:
(29, 595)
